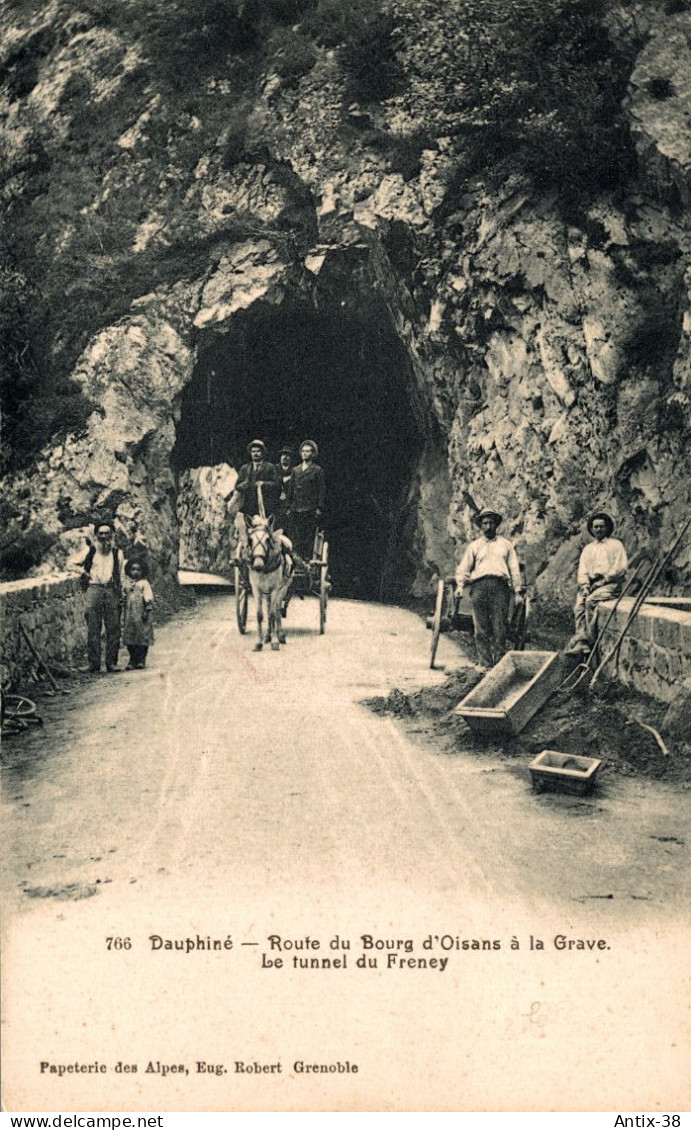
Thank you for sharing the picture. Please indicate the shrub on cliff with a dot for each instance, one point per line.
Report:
(21, 550)
(523, 84)
(36, 403)
(364, 33)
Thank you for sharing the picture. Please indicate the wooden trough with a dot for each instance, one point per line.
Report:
(512, 692)
(564, 772)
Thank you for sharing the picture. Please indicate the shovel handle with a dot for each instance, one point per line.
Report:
(36, 654)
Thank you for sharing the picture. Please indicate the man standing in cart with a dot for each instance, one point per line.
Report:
(305, 500)
(601, 570)
(490, 566)
(285, 468)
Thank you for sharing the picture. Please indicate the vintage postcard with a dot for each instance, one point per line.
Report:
(346, 561)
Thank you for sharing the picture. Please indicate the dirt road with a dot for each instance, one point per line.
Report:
(221, 793)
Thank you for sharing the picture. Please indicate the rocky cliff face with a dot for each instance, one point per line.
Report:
(536, 362)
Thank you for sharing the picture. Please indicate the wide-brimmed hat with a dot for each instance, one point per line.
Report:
(256, 443)
(609, 522)
(499, 518)
(310, 443)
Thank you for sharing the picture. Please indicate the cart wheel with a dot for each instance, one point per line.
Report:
(436, 622)
(323, 587)
(16, 706)
(241, 598)
(18, 713)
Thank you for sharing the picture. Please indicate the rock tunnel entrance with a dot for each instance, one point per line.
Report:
(285, 373)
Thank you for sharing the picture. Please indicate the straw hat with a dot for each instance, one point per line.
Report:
(498, 518)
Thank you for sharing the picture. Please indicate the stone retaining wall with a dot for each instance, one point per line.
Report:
(51, 609)
(656, 651)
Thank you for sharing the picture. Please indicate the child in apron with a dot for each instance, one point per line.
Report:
(138, 628)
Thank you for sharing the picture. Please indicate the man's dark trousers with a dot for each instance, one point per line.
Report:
(302, 528)
(490, 598)
(102, 608)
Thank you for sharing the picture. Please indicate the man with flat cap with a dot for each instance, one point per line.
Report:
(305, 501)
(601, 570)
(285, 467)
(490, 566)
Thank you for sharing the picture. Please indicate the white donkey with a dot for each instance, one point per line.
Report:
(271, 573)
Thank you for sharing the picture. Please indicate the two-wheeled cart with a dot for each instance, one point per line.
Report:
(453, 613)
(311, 578)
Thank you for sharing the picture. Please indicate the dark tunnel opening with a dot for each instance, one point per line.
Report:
(283, 374)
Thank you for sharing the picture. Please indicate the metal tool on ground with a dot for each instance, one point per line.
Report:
(579, 673)
(651, 730)
(640, 599)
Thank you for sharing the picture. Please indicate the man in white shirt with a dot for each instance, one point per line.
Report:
(490, 566)
(102, 578)
(601, 570)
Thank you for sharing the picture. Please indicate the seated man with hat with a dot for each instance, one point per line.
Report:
(305, 501)
(601, 570)
(490, 566)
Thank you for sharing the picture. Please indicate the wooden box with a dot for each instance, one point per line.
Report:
(512, 692)
(564, 772)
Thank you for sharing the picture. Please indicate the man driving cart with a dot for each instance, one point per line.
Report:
(256, 491)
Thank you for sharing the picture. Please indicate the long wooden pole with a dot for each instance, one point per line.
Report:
(37, 655)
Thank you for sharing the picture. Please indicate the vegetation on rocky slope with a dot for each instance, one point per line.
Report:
(111, 110)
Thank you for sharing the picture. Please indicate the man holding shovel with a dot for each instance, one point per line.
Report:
(601, 570)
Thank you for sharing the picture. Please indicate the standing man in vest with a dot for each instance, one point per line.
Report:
(102, 577)
(490, 566)
(601, 570)
(305, 501)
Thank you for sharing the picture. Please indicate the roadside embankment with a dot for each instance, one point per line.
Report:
(48, 611)
(611, 722)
